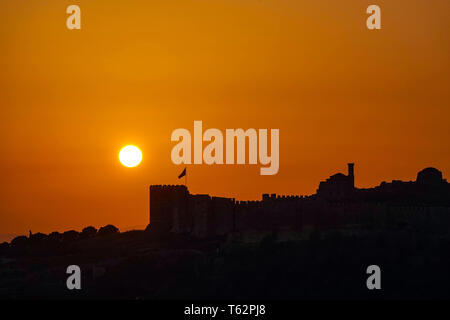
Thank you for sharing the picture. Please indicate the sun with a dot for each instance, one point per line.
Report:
(130, 156)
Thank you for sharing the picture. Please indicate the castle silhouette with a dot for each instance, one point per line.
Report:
(337, 202)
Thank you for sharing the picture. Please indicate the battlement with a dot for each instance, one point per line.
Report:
(273, 196)
(168, 187)
(174, 209)
(167, 204)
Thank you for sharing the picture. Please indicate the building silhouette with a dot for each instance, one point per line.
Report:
(338, 186)
(337, 202)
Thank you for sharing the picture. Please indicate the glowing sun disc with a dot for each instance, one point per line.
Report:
(130, 156)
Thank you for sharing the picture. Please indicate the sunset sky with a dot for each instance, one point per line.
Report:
(139, 69)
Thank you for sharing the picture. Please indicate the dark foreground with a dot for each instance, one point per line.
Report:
(315, 265)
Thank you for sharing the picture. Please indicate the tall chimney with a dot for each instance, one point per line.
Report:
(351, 173)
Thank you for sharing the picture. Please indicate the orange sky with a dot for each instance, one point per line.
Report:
(69, 100)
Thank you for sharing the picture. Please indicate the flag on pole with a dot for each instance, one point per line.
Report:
(182, 174)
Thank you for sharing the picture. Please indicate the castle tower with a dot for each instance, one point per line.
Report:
(351, 173)
(168, 207)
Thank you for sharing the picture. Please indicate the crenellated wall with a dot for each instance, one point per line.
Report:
(337, 202)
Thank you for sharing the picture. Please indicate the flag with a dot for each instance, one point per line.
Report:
(182, 174)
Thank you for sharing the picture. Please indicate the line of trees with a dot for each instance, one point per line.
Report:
(40, 239)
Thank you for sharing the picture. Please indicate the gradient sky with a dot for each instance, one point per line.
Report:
(70, 100)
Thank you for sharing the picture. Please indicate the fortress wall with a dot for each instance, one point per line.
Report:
(201, 210)
(272, 214)
(173, 209)
(221, 220)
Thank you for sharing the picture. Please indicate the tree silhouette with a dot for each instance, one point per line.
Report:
(108, 229)
(88, 232)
